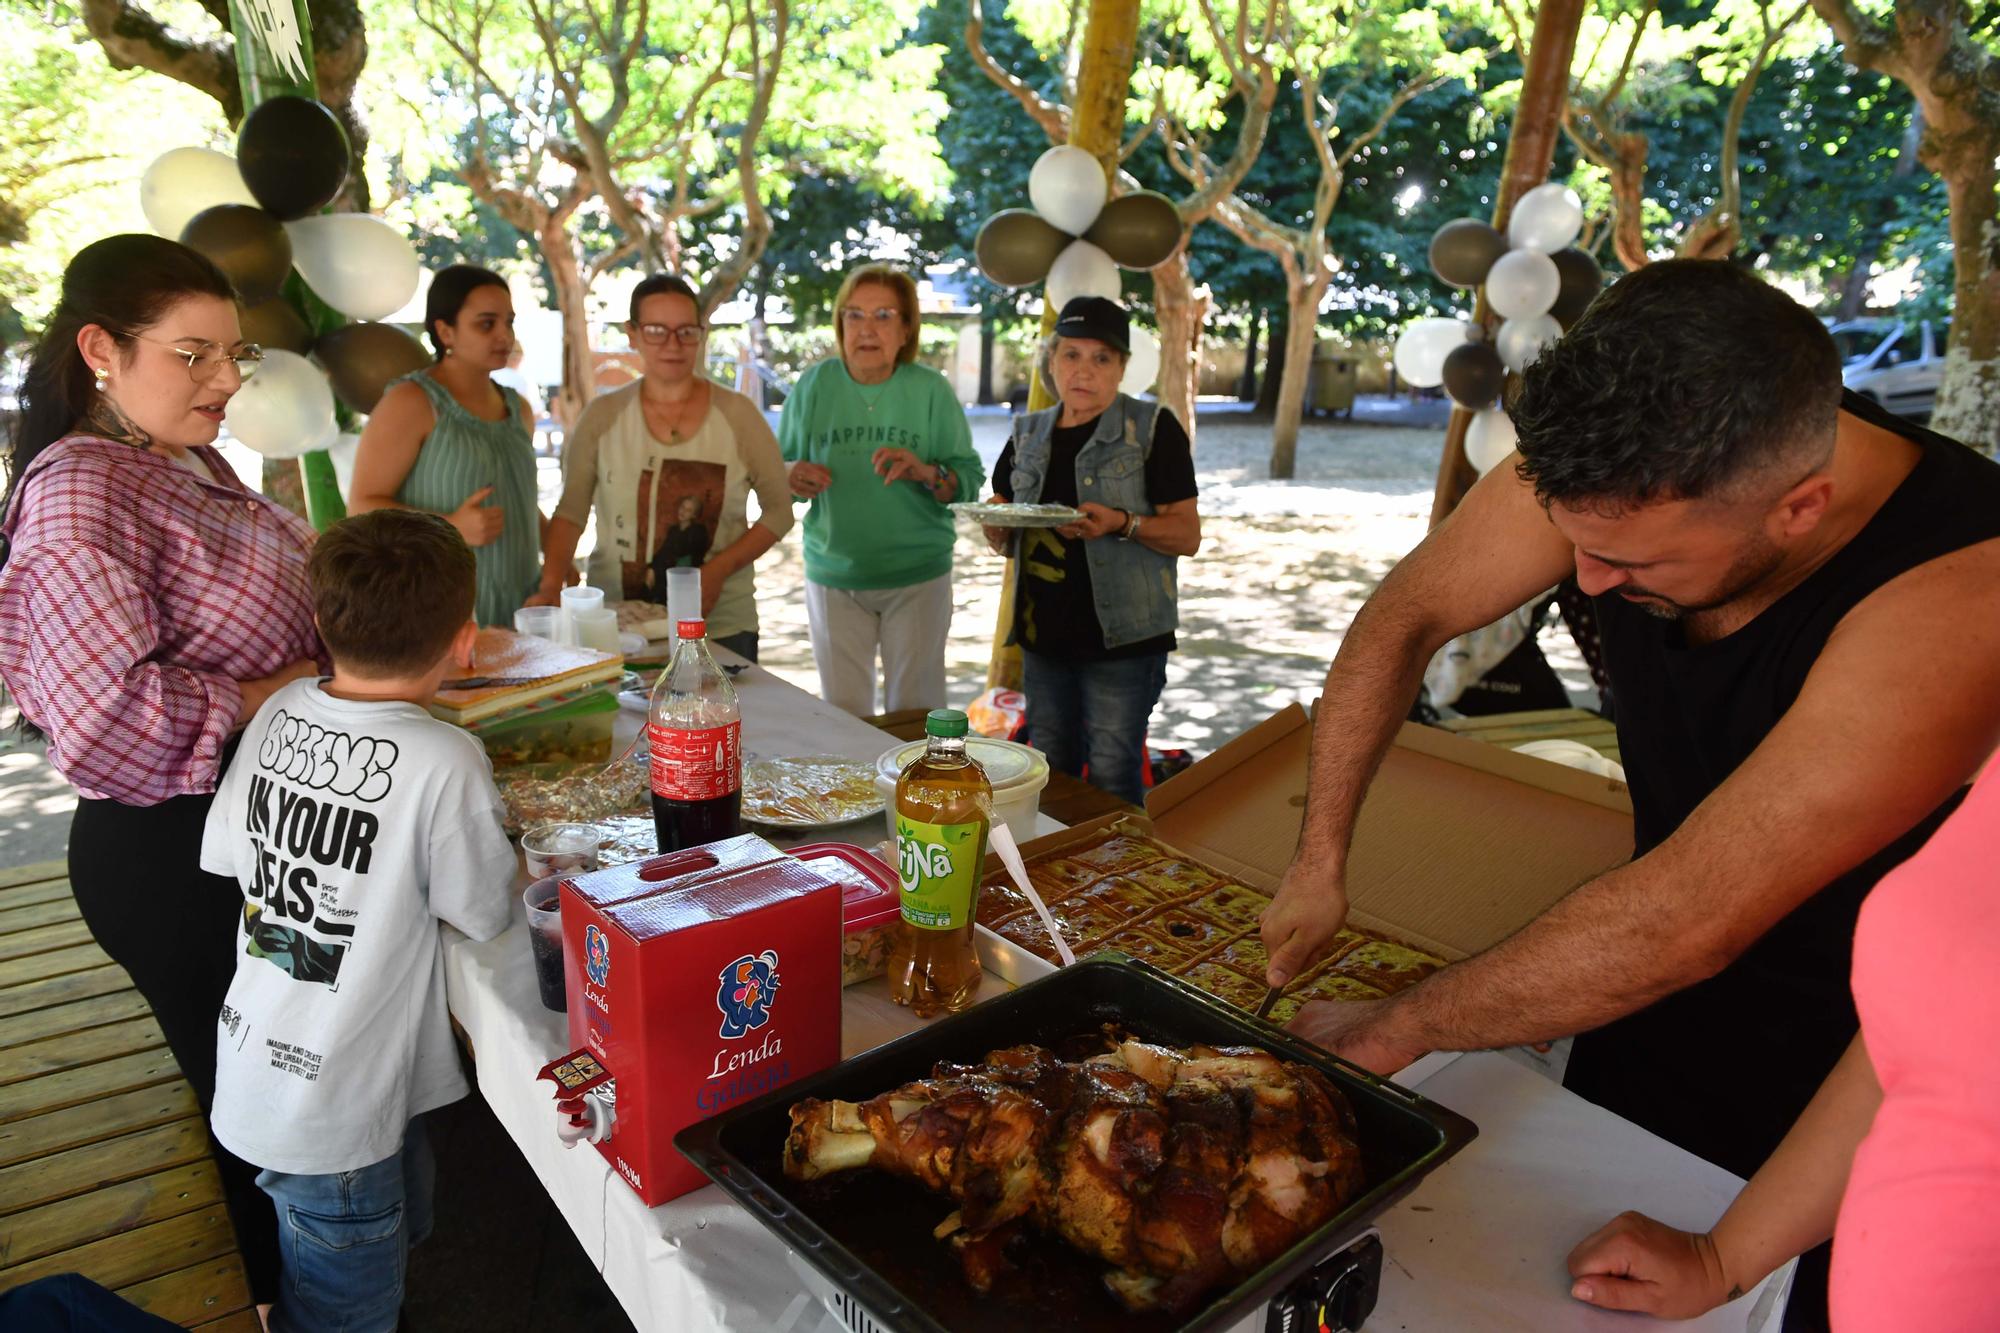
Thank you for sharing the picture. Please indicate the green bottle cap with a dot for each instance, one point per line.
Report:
(945, 722)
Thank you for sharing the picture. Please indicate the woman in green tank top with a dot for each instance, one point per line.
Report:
(447, 439)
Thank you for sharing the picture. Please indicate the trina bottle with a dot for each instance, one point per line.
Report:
(943, 809)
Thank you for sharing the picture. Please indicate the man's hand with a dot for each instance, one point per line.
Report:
(894, 465)
(1359, 1031)
(1098, 521)
(1302, 920)
(808, 479)
(1635, 1263)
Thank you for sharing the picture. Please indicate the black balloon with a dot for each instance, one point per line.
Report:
(362, 359)
(293, 155)
(1474, 375)
(276, 324)
(1463, 250)
(1137, 230)
(1017, 245)
(1582, 279)
(246, 243)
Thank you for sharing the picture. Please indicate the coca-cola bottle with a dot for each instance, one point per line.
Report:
(695, 732)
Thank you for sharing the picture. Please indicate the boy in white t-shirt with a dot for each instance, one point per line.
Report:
(355, 822)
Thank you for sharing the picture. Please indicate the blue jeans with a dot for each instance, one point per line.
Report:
(345, 1239)
(1094, 713)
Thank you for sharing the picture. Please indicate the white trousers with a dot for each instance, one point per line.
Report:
(909, 625)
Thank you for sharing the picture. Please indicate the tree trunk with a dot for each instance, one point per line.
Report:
(1301, 334)
(1968, 401)
(1274, 362)
(986, 396)
(1180, 314)
(579, 367)
(1246, 387)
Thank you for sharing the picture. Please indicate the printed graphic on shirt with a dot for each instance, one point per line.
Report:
(1045, 560)
(304, 846)
(679, 509)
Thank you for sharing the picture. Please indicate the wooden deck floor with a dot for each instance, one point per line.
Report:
(104, 1164)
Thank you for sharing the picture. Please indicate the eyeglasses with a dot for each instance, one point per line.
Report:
(854, 317)
(205, 363)
(686, 334)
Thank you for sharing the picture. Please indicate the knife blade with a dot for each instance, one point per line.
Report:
(487, 682)
(1271, 994)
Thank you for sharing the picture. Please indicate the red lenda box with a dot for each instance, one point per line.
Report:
(699, 979)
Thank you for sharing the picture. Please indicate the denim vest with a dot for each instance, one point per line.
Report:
(1136, 589)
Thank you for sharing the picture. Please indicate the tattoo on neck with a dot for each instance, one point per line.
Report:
(105, 418)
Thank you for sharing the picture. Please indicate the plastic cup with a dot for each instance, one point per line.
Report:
(560, 849)
(539, 622)
(575, 603)
(545, 940)
(598, 629)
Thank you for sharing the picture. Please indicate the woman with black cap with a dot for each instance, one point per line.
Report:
(1095, 605)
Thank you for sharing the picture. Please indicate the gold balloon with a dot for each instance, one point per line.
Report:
(274, 324)
(1137, 230)
(362, 360)
(1016, 247)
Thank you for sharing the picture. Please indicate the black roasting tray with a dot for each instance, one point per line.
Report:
(870, 1233)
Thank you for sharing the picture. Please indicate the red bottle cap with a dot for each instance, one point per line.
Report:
(691, 629)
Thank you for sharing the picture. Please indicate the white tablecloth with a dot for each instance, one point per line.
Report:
(1479, 1245)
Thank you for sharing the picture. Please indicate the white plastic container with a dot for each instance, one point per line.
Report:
(1016, 772)
(574, 602)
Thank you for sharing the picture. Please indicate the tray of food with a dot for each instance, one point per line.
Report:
(816, 791)
(1108, 1148)
(1018, 515)
(1128, 891)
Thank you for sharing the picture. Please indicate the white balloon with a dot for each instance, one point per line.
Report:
(1547, 218)
(1523, 283)
(356, 262)
(1422, 347)
(181, 182)
(1067, 188)
(285, 409)
(1489, 439)
(1520, 341)
(1083, 269)
(1144, 366)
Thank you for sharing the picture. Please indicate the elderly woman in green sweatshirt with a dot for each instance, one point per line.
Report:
(879, 447)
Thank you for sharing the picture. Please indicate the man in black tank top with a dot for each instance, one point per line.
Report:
(1798, 604)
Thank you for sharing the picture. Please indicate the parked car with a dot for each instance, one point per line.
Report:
(1897, 363)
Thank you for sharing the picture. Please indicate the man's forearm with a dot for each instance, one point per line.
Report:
(1613, 946)
(1369, 690)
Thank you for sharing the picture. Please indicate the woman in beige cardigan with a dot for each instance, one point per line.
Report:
(668, 463)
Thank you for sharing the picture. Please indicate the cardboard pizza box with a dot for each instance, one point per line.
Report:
(1459, 843)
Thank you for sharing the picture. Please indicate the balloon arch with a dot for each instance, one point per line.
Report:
(1535, 279)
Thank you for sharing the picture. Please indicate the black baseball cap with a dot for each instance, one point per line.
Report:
(1096, 317)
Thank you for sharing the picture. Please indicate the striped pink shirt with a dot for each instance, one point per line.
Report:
(135, 596)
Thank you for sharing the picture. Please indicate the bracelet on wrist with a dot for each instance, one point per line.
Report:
(1131, 527)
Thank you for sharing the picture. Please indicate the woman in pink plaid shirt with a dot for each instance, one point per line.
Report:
(149, 602)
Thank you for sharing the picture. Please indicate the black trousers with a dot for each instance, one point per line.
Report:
(136, 873)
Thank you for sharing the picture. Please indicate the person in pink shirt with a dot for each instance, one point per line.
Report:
(150, 602)
(1898, 1157)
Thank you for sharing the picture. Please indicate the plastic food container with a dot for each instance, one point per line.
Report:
(1017, 773)
(869, 905)
(574, 729)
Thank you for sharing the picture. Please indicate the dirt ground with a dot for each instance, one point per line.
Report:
(1282, 570)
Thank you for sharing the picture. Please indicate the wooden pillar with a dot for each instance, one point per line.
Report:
(1096, 125)
(1531, 148)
